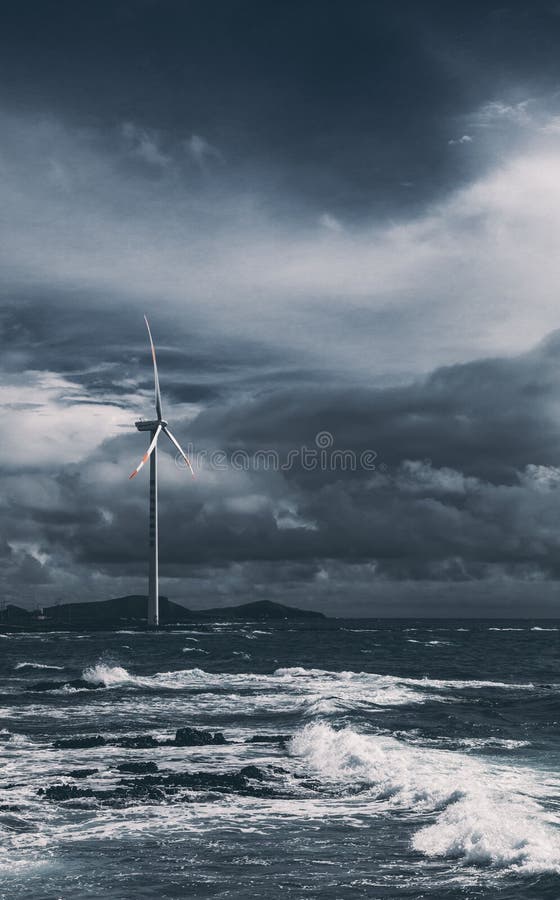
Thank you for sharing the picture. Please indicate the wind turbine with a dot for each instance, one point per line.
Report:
(155, 427)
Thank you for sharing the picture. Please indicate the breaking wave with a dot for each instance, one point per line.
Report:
(114, 676)
(475, 821)
(437, 683)
(321, 690)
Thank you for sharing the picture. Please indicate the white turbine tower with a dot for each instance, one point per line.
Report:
(155, 427)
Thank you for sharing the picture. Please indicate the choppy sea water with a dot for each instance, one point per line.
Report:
(370, 758)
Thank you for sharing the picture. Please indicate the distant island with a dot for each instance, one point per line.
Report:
(131, 611)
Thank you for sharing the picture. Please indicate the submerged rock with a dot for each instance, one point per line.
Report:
(46, 686)
(148, 793)
(80, 743)
(184, 737)
(80, 773)
(138, 742)
(138, 768)
(182, 787)
(215, 782)
(194, 737)
(269, 739)
(252, 772)
(82, 684)
(65, 792)
(76, 683)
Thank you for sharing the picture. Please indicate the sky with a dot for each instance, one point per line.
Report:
(343, 222)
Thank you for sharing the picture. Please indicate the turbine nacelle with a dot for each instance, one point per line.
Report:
(150, 425)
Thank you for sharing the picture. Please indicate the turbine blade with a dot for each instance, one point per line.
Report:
(156, 376)
(147, 454)
(179, 448)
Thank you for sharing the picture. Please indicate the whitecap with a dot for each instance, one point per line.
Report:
(484, 815)
(495, 628)
(362, 630)
(488, 829)
(32, 665)
(117, 676)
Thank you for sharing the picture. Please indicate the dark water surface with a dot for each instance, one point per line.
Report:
(420, 759)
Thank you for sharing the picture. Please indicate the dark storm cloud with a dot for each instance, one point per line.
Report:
(483, 508)
(104, 355)
(487, 418)
(349, 106)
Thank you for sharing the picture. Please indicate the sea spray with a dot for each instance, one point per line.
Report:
(477, 819)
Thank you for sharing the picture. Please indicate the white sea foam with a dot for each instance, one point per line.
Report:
(297, 690)
(495, 628)
(482, 814)
(489, 830)
(464, 801)
(380, 689)
(439, 683)
(190, 631)
(109, 676)
(32, 665)
(290, 689)
(538, 628)
(361, 630)
(492, 743)
(469, 743)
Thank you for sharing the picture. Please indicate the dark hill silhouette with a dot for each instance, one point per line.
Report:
(260, 609)
(131, 610)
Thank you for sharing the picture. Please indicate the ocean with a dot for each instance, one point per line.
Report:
(359, 759)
